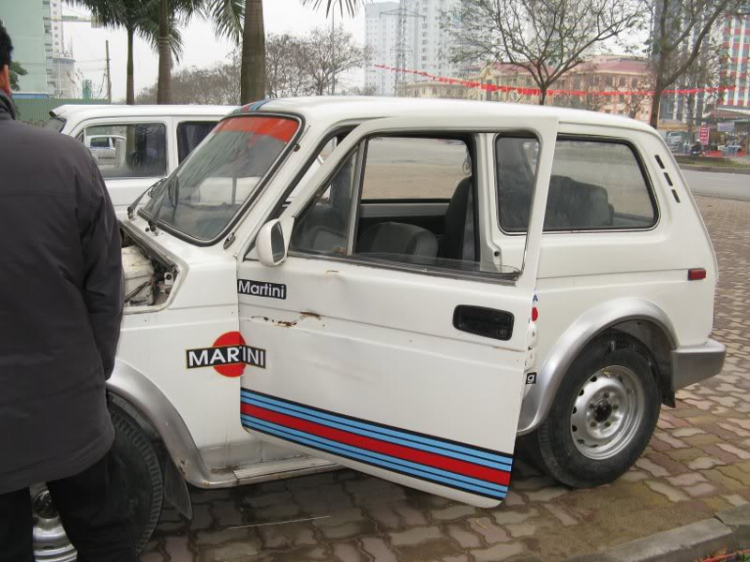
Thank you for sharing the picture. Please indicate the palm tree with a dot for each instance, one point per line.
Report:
(136, 16)
(226, 15)
(253, 74)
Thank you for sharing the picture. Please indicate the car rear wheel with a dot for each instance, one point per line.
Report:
(141, 471)
(603, 416)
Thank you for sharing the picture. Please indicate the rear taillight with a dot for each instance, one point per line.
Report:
(696, 274)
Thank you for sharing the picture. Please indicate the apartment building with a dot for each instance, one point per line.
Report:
(409, 33)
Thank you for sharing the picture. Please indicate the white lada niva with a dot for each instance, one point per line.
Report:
(405, 287)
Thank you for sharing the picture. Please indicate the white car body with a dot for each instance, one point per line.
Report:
(583, 283)
(75, 120)
(410, 371)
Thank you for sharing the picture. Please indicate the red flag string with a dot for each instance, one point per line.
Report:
(551, 92)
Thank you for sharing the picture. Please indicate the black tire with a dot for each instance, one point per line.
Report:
(141, 473)
(579, 461)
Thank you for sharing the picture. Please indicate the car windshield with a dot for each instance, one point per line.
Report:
(206, 192)
(55, 124)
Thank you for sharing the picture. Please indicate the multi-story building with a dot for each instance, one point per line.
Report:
(410, 33)
(594, 82)
(380, 38)
(609, 73)
(427, 39)
(36, 29)
(61, 72)
(735, 39)
(25, 24)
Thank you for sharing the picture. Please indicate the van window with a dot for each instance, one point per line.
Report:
(128, 151)
(190, 134)
(595, 185)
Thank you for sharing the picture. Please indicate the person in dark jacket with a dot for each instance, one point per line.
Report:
(60, 312)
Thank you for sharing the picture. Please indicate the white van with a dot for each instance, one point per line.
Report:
(453, 276)
(136, 145)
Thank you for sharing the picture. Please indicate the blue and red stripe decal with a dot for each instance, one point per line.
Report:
(467, 468)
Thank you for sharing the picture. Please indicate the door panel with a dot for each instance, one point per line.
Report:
(364, 365)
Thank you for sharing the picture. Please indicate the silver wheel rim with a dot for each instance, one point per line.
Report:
(51, 544)
(607, 412)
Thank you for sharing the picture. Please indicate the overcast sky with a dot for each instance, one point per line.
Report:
(201, 47)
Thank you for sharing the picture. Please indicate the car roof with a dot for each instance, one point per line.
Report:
(338, 108)
(92, 111)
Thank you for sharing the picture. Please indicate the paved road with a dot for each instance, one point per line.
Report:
(718, 184)
(697, 464)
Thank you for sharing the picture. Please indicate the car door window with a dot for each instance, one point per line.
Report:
(417, 207)
(136, 150)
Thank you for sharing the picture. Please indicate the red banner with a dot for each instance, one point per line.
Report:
(551, 92)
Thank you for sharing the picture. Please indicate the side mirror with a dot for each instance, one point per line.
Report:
(270, 244)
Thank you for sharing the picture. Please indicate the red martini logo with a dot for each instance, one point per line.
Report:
(228, 356)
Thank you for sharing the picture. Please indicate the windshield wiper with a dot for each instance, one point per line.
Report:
(150, 191)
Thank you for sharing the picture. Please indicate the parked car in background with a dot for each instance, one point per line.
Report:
(105, 148)
(136, 145)
(405, 287)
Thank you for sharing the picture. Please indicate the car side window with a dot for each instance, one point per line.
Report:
(417, 207)
(129, 150)
(401, 175)
(190, 134)
(595, 185)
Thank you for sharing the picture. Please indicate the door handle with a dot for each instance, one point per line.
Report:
(487, 322)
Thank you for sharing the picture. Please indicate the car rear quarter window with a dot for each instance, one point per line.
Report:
(595, 185)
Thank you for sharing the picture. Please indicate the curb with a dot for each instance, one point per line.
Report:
(718, 169)
(728, 529)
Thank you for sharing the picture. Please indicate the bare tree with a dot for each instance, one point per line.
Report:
(219, 85)
(286, 74)
(680, 29)
(705, 72)
(548, 38)
(639, 96)
(329, 53)
(295, 66)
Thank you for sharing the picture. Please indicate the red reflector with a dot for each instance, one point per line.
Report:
(696, 274)
(534, 314)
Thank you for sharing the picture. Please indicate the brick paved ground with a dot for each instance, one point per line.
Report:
(697, 464)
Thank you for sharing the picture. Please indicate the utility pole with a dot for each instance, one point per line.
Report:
(109, 78)
(333, 50)
(403, 14)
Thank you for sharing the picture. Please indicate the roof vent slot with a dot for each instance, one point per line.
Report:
(658, 161)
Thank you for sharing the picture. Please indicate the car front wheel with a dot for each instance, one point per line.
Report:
(141, 472)
(603, 416)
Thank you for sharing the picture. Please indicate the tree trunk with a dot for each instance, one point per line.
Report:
(253, 75)
(542, 95)
(164, 88)
(690, 102)
(655, 101)
(130, 89)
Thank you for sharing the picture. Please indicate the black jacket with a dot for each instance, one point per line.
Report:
(60, 305)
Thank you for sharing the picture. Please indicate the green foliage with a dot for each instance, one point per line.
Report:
(16, 70)
(350, 5)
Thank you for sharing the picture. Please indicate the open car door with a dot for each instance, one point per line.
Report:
(410, 368)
